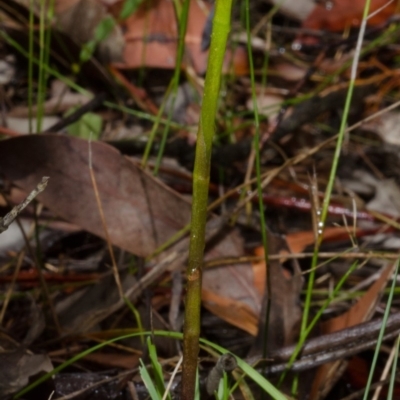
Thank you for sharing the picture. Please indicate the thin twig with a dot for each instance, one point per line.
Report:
(327, 255)
(333, 346)
(9, 218)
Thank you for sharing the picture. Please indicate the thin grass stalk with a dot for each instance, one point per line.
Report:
(49, 18)
(42, 57)
(316, 319)
(394, 370)
(246, 368)
(256, 144)
(46, 67)
(381, 333)
(30, 65)
(201, 177)
(332, 176)
(182, 16)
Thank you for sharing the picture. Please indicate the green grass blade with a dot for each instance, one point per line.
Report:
(256, 144)
(394, 370)
(250, 371)
(381, 333)
(332, 177)
(158, 373)
(304, 334)
(148, 382)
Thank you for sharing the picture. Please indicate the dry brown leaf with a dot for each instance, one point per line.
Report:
(298, 241)
(17, 367)
(344, 14)
(235, 312)
(234, 282)
(141, 212)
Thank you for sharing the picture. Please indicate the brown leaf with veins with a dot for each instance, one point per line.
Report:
(141, 212)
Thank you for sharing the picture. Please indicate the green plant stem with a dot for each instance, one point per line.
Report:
(304, 334)
(256, 144)
(201, 177)
(394, 370)
(30, 65)
(182, 14)
(46, 12)
(381, 333)
(329, 188)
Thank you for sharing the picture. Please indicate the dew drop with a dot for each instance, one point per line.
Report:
(296, 46)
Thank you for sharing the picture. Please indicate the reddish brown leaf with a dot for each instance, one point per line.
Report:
(342, 15)
(345, 13)
(235, 312)
(152, 36)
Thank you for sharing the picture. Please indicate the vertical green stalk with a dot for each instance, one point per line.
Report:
(316, 318)
(394, 370)
(256, 144)
(305, 328)
(42, 51)
(182, 16)
(30, 65)
(328, 191)
(381, 333)
(46, 14)
(201, 177)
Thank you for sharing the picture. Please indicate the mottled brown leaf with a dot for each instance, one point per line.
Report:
(141, 212)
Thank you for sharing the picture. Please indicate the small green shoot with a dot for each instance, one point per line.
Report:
(89, 124)
(223, 388)
(148, 382)
(102, 31)
(158, 373)
(245, 367)
(129, 7)
(137, 317)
